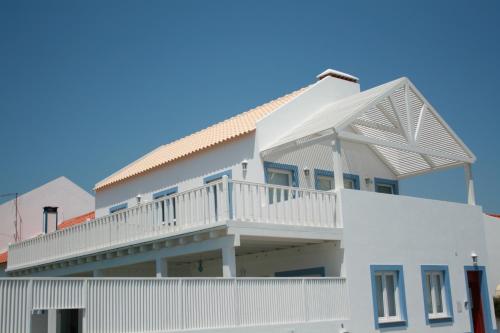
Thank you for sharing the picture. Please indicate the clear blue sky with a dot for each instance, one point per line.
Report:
(89, 86)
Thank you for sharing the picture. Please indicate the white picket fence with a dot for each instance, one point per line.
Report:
(206, 206)
(161, 305)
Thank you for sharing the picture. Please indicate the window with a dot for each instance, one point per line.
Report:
(325, 181)
(389, 304)
(387, 186)
(282, 175)
(117, 208)
(213, 189)
(168, 207)
(437, 294)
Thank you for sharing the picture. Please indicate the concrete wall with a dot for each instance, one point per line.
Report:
(70, 199)
(399, 230)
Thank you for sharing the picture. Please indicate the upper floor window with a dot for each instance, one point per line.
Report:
(387, 186)
(389, 303)
(325, 180)
(282, 175)
(167, 205)
(437, 293)
(117, 208)
(213, 190)
(279, 177)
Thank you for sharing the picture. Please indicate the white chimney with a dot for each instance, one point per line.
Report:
(338, 75)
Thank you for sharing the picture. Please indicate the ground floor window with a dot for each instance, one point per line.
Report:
(437, 293)
(387, 186)
(388, 294)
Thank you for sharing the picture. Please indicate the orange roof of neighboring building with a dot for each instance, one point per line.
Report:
(3, 257)
(76, 220)
(495, 215)
(221, 132)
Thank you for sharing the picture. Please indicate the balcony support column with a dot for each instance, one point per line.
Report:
(469, 182)
(52, 321)
(228, 261)
(338, 173)
(161, 267)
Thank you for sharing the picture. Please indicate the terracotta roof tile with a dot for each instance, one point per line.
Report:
(3, 257)
(221, 132)
(76, 220)
(495, 215)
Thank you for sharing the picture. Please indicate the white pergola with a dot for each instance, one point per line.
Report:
(396, 122)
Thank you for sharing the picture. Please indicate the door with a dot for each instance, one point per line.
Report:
(476, 302)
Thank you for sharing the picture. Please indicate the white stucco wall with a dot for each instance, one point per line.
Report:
(188, 173)
(397, 230)
(70, 199)
(290, 115)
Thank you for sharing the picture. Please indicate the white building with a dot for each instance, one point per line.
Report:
(39, 211)
(286, 218)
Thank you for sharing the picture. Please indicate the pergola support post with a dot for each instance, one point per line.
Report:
(338, 173)
(469, 182)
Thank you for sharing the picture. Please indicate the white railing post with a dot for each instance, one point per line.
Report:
(225, 198)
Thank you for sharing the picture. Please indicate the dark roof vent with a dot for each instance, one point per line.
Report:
(338, 75)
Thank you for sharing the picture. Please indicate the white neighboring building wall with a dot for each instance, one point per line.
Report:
(492, 233)
(70, 200)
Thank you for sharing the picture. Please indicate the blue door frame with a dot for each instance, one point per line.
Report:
(485, 297)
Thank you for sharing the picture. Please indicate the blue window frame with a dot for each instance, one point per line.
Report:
(318, 173)
(165, 193)
(293, 169)
(388, 296)
(216, 177)
(438, 305)
(387, 186)
(118, 207)
(485, 296)
(316, 271)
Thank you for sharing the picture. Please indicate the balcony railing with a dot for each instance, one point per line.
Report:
(162, 305)
(207, 206)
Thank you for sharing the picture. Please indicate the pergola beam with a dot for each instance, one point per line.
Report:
(411, 148)
(380, 127)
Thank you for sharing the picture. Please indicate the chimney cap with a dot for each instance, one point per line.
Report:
(338, 75)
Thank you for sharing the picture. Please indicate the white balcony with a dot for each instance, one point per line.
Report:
(216, 204)
(164, 305)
